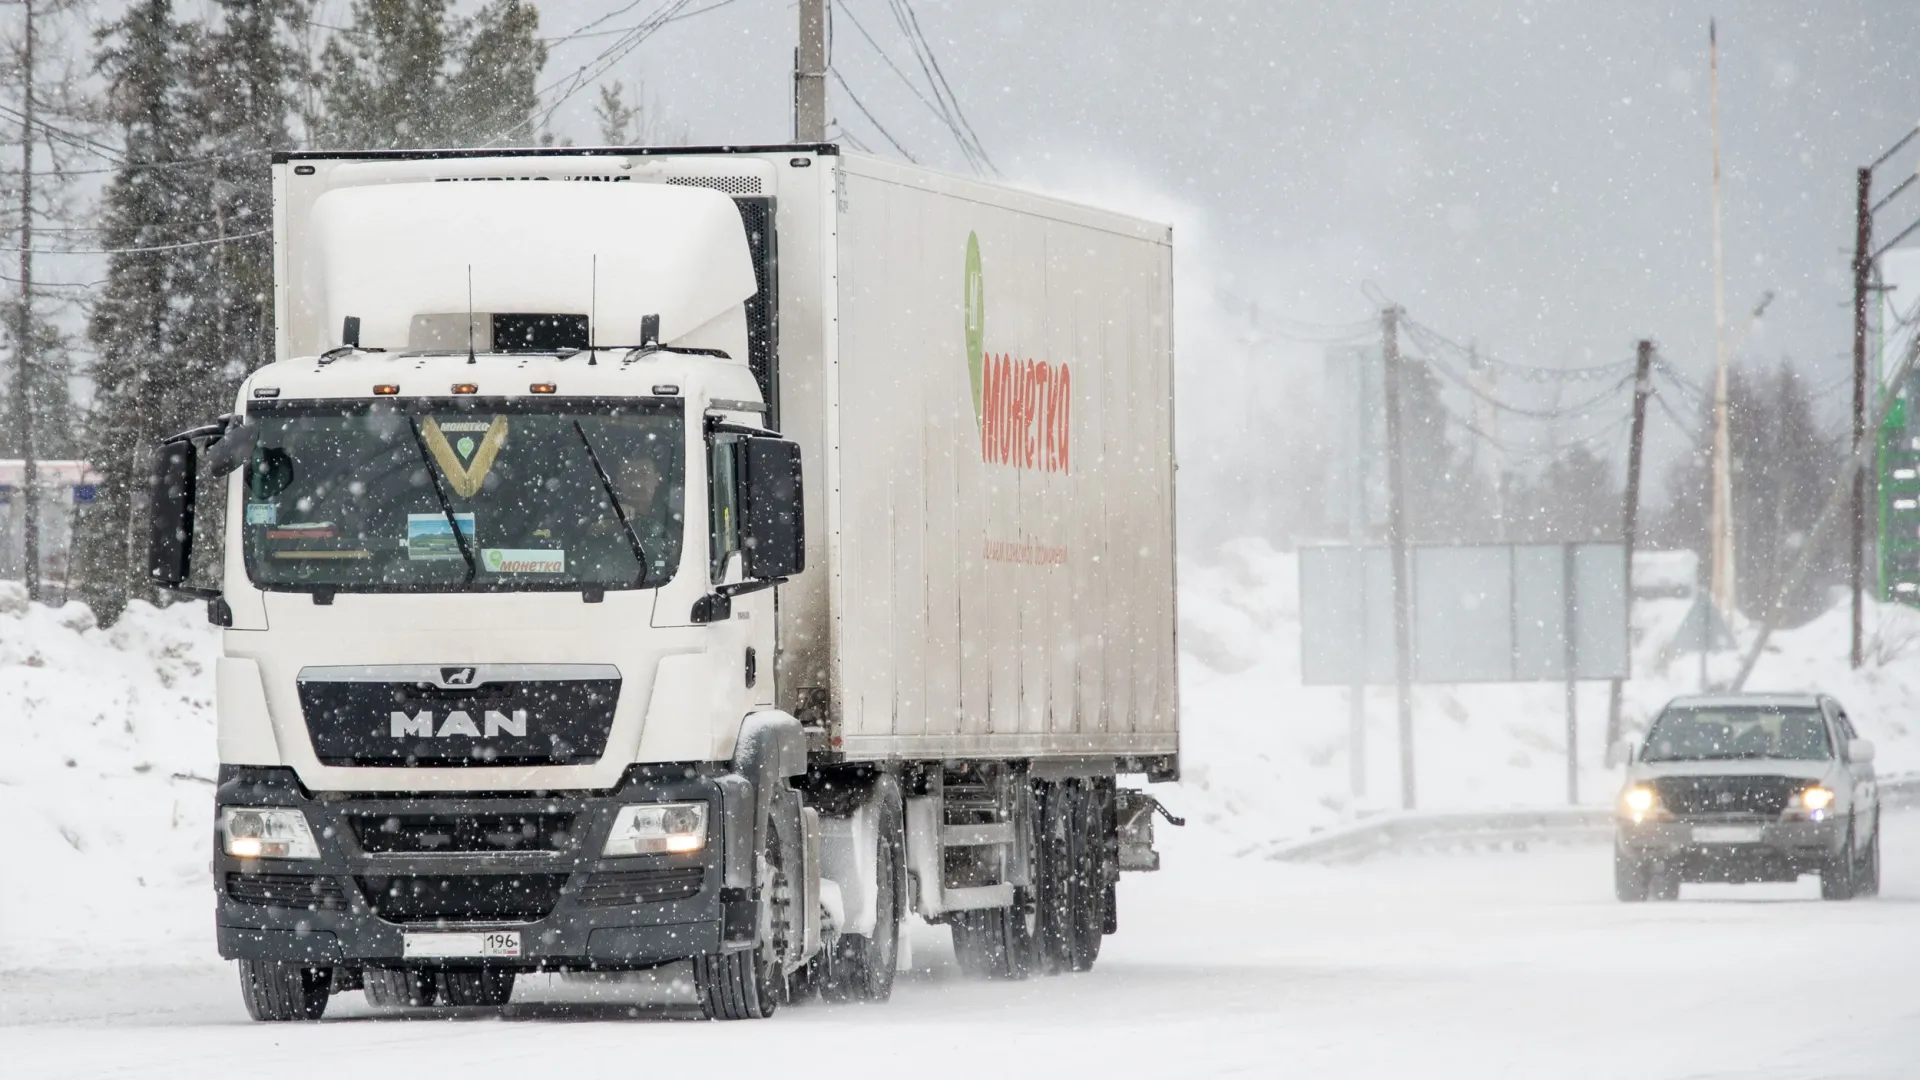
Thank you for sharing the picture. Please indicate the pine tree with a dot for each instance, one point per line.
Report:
(615, 116)
(408, 73)
(144, 58)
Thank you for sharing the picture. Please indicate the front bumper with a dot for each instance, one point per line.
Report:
(1782, 850)
(572, 908)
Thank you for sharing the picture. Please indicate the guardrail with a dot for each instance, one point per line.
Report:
(1402, 832)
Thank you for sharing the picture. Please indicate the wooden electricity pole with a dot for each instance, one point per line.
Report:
(1630, 513)
(810, 74)
(1862, 266)
(1397, 551)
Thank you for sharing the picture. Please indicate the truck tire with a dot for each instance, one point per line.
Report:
(999, 943)
(1837, 877)
(1091, 871)
(747, 984)
(863, 965)
(1056, 895)
(278, 990)
(1629, 878)
(400, 988)
(483, 987)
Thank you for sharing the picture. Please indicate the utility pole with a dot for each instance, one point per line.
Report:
(1397, 551)
(23, 331)
(1724, 590)
(1630, 514)
(810, 74)
(1862, 265)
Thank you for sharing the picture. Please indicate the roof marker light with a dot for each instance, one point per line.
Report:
(466, 388)
(266, 391)
(386, 389)
(666, 388)
(541, 388)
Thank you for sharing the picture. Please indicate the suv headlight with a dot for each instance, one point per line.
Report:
(654, 828)
(1814, 798)
(1639, 802)
(267, 833)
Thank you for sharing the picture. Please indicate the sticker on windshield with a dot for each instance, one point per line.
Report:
(429, 536)
(262, 513)
(469, 457)
(525, 560)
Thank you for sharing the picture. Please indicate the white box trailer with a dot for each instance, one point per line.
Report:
(918, 450)
(981, 383)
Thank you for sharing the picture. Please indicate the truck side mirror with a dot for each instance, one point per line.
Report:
(773, 538)
(1860, 752)
(1620, 753)
(170, 519)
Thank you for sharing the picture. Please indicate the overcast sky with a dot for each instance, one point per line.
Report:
(1534, 176)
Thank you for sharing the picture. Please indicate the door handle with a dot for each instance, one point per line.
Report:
(753, 667)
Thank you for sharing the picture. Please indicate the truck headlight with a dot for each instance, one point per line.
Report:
(1814, 798)
(654, 828)
(267, 833)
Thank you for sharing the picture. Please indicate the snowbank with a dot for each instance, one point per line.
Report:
(106, 779)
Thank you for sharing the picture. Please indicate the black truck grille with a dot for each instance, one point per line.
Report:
(498, 722)
(462, 898)
(629, 887)
(297, 891)
(426, 834)
(1763, 795)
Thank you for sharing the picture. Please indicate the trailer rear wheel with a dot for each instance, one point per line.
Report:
(1092, 872)
(395, 988)
(277, 990)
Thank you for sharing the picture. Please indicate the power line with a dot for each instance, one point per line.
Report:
(887, 59)
(138, 250)
(911, 24)
(877, 126)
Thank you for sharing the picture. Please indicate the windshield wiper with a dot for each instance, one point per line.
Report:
(446, 504)
(606, 484)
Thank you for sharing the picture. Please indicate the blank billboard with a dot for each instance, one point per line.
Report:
(1478, 613)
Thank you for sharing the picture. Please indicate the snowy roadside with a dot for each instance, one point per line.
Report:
(108, 740)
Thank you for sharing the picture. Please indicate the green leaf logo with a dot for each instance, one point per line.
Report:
(976, 317)
(495, 558)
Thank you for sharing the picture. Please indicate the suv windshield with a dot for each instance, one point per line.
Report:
(1740, 733)
(545, 495)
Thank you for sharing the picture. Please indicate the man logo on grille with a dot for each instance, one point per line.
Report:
(458, 676)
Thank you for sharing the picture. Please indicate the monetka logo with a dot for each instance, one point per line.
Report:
(1024, 408)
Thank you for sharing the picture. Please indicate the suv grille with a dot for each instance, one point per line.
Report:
(629, 887)
(463, 898)
(1762, 795)
(287, 891)
(426, 834)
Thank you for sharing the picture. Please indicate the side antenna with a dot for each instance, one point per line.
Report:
(593, 309)
(470, 358)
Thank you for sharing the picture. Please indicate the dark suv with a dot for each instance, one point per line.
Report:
(1747, 787)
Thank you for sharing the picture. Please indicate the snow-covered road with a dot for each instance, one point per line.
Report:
(1479, 966)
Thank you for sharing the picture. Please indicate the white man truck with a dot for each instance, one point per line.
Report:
(643, 557)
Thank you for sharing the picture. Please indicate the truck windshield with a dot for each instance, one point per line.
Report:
(1737, 734)
(543, 495)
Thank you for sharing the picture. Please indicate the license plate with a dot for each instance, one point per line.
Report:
(1726, 834)
(478, 943)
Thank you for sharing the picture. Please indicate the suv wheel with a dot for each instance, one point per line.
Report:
(1629, 878)
(1836, 879)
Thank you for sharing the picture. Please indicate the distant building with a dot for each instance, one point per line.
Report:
(67, 488)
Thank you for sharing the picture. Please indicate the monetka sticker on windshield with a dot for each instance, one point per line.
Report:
(524, 561)
(468, 456)
(429, 536)
(262, 513)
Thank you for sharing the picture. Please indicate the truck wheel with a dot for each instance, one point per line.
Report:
(400, 988)
(1629, 878)
(999, 943)
(863, 966)
(745, 984)
(1056, 892)
(485, 987)
(1836, 879)
(277, 990)
(1091, 867)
